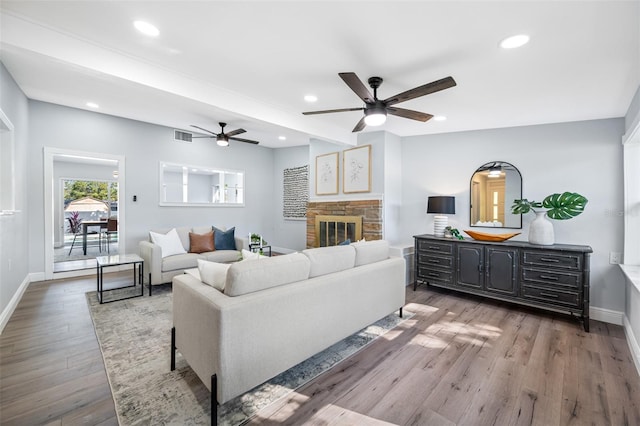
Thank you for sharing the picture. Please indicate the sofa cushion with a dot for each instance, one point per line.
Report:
(213, 273)
(224, 240)
(180, 261)
(221, 256)
(255, 275)
(326, 260)
(371, 251)
(169, 242)
(200, 243)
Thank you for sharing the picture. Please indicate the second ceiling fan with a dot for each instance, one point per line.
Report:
(223, 138)
(376, 110)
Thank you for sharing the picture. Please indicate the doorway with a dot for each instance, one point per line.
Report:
(82, 193)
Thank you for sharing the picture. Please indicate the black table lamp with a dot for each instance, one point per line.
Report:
(441, 205)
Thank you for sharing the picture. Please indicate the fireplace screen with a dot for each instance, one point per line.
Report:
(333, 230)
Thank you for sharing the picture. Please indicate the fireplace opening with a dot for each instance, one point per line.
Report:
(333, 230)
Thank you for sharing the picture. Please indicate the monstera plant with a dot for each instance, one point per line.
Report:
(559, 206)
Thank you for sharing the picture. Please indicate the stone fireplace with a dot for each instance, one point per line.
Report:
(339, 220)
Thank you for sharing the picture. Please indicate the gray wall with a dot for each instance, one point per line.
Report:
(14, 263)
(633, 114)
(584, 157)
(144, 145)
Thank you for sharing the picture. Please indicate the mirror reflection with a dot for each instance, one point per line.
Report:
(182, 185)
(494, 187)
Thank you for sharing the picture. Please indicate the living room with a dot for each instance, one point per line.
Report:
(583, 152)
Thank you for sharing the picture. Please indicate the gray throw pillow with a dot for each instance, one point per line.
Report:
(224, 240)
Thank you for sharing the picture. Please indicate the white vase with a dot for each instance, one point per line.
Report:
(541, 230)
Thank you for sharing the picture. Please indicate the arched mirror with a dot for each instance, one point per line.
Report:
(494, 186)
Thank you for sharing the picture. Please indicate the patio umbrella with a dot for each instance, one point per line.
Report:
(87, 204)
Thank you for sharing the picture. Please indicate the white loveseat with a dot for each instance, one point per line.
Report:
(163, 269)
(275, 312)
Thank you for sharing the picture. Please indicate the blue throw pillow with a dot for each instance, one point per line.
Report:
(224, 240)
(345, 242)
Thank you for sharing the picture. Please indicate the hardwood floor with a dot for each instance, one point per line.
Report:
(458, 361)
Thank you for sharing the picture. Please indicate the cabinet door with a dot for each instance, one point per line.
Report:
(470, 266)
(502, 267)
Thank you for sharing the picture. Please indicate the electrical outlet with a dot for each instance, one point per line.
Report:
(615, 258)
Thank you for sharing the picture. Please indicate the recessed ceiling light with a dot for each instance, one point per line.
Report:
(310, 98)
(282, 138)
(514, 41)
(439, 118)
(146, 28)
(93, 105)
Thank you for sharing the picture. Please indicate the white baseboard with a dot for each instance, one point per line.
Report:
(606, 315)
(634, 347)
(36, 276)
(13, 303)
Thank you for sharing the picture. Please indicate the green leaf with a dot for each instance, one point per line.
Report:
(522, 206)
(564, 206)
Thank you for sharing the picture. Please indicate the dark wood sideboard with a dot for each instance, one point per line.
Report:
(554, 278)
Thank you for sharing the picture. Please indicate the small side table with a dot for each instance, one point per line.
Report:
(256, 248)
(118, 260)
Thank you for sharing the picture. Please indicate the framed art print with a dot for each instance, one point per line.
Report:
(327, 174)
(356, 169)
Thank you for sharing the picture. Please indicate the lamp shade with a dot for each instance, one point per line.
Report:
(441, 205)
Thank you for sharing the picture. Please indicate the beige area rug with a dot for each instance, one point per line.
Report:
(135, 339)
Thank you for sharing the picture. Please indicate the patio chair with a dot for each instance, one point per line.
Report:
(112, 229)
(76, 229)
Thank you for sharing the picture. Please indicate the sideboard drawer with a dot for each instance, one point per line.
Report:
(433, 275)
(564, 298)
(438, 261)
(552, 260)
(435, 247)
(552, 278)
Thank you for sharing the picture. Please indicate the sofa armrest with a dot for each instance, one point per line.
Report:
(152, 255)
(241, 243)
(196, 318)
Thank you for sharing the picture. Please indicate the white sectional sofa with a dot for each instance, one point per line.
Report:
(163, 269)
(275, 312)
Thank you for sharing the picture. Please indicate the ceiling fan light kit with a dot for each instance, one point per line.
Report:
(376, 110)
(222, 138)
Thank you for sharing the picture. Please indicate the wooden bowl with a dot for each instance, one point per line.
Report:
(483, 236)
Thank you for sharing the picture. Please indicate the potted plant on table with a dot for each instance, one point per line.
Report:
(559, 206)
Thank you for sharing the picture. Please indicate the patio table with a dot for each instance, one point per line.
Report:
(86, 224)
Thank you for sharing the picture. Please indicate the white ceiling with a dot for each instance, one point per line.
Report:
(250, 63)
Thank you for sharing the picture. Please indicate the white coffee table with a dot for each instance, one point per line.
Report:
(118, 260)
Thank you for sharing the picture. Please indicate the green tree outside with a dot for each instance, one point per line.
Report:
(76, 189)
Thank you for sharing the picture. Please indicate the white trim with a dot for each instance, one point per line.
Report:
(606, 315)
(10, 208)
(37, 276)
(13, 303)
(634, 347)
(633, 136)
(49, 154)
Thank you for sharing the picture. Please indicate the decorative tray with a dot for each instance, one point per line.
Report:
(483, 236)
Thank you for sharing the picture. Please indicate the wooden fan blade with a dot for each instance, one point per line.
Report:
(244, 140)
(235, 132)
(327, 111)
(434, 86)
(355, 84)
(407, 113)
(208, 131)
(361, 125)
